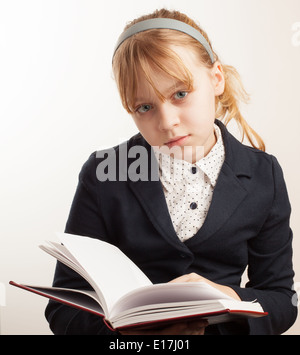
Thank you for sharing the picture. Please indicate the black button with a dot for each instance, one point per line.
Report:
(194, 170)
(193, 205)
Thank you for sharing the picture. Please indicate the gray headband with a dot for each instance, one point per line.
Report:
(165, 23)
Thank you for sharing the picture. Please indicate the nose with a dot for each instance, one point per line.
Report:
(168, 117)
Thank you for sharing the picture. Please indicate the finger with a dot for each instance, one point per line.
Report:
(192, 277)
(179, 279)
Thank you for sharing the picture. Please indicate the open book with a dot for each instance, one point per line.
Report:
(126, 298)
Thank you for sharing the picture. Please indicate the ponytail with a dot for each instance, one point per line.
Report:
(227, 106)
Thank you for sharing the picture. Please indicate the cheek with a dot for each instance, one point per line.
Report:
(201, 112)
(139, 123)
(147, 131)
(202, 101)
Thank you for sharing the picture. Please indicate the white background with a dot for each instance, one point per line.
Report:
(59, 103)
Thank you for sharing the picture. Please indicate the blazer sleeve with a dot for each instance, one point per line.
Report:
(270, 269)
(84, 219)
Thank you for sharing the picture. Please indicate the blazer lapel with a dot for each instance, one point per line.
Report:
(151, 197)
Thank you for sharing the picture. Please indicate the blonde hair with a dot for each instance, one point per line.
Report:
(148, 51)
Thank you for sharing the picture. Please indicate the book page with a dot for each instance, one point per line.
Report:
(113, 272)
(168, 293)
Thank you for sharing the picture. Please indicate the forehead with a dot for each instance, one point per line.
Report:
(156, 80)
(191, 60)
(159, 81)
(187, 54)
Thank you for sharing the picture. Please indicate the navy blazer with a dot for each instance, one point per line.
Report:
(247, 225)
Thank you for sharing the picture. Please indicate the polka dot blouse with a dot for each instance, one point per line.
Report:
(188, 188)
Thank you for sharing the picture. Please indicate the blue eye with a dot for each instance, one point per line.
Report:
(181, 94)
(144, 108)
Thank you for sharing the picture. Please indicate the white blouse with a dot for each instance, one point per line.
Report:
(188, 188)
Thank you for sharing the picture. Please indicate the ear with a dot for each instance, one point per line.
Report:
(219, 79)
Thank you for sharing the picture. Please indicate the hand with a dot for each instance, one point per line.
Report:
(193, 277)
(184, 328)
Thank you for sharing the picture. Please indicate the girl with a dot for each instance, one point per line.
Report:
(216, 206)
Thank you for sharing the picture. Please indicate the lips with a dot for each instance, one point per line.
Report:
(180, 140)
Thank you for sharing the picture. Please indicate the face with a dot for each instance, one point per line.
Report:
(183, 124)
